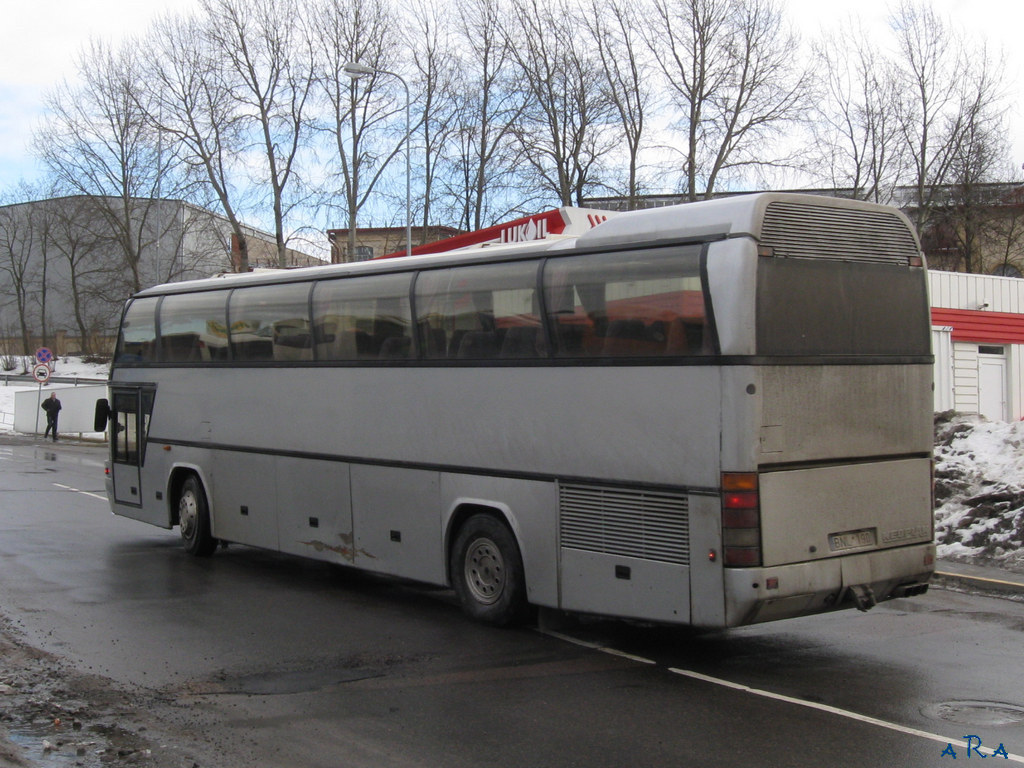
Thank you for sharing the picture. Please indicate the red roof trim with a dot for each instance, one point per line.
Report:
(527, 228)
(979, 326)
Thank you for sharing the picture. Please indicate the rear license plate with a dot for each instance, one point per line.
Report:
(838, 542)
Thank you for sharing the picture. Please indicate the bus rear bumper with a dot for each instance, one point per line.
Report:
(755, 595)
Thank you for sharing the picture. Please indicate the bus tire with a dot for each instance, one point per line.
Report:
(486, 570)
(194, 518)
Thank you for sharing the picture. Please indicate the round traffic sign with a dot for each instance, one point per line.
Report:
(44, 355)
(41, 373)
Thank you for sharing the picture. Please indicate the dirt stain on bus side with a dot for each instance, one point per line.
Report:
(345, 549)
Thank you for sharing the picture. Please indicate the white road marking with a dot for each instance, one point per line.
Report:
(84, 493)
(790, 699)
(837, 711)
(596, 647)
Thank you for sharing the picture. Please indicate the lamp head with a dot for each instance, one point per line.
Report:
(355, 70)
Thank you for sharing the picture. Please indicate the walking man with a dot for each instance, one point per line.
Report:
(52, 408)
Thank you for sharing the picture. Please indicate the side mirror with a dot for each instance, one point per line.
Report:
(102, 415)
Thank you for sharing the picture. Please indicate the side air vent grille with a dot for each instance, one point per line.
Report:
(648, 525)
(802, 231)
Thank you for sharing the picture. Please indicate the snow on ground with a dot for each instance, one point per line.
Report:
(979, 489)
(65, 366)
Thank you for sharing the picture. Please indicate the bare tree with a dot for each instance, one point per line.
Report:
(565, 128)
(973, 206)
(1007, 255)
(436, 69)
(481, 183)
(932, 62)
(268, 66)
(43, 223)
(192, 105)
(98, 142)
(78, 248)
(730, 70)
(18, 263)
(358, 115)
(856, 120)
(951, 120)
(614, 27)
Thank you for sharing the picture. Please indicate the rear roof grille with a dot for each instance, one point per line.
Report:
(802, 231)
(648, 525)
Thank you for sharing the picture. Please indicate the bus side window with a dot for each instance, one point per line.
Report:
(362, 318)
(521, 341)
(633, 304)
(469, 312)
(270, 323)
(193, 327)
(137, 341)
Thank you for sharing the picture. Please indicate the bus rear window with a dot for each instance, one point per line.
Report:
(812, 307)
(633, 304)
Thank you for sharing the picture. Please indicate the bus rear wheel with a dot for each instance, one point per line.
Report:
(194, 519)
(487, 572)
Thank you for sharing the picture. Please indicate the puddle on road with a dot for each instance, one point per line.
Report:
(991, 714)
(48, 750)
(282, 683)
(46, 745)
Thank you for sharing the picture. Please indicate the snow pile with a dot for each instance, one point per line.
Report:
(979, 489)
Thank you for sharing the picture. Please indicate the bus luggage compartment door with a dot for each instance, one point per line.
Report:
(625, 552)
(831, 511)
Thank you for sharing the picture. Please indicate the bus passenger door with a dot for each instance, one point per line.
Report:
(130, 409)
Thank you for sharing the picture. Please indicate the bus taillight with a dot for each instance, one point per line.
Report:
(741, 520)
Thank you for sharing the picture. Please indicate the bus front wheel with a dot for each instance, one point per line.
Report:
(194, 519)
(487, 571)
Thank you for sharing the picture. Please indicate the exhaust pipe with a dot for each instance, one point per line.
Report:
(863, 597)
(910, 590)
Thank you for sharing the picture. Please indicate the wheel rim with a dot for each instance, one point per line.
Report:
(188, 514)
(485, 571)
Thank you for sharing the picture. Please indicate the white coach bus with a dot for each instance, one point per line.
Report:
(711, 414)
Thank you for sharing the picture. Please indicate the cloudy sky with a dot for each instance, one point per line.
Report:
(40, 41)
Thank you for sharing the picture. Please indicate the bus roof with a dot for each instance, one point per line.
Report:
(739, 216)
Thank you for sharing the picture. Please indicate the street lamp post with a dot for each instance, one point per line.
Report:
(355, 71)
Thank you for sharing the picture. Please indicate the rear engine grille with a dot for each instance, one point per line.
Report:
(799, 230)
(648, 525)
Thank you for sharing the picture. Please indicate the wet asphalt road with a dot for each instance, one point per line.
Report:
(250, 658)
